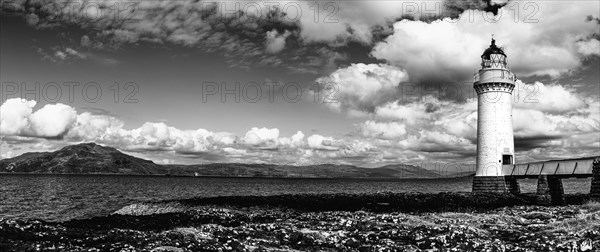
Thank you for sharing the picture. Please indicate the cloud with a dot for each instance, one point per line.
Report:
(591, 18)
(339, 22)
(589, 47)
(275, 41)
(32, 19)
(360, 87)
(408, 112)
(90, 127)
(384, 130)
(261, 137)
(319, 142)
(52, 120)
(320, 28)
(425, 127)
(56, 125)
(535, 123)
(396, 131)
(430, 128)
(14, 116)
(436, 141)
(61, 55)
(448, 50)
(546, 98)
(296, 140)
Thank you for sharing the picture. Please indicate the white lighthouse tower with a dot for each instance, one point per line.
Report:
(494, 84)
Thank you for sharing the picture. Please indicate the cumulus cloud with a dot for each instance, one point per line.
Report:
(545, 115)
(423, 49)
(14, 116)
(52, 120)
(262, 137)
(448, 50)
(533, 124)
(360, 87)
(397, 131)
(295, 141)
(90, 127)
(446, 130)
(62, 121)
(319, 142)
(56, 125)
(425, 126)
(546, 98)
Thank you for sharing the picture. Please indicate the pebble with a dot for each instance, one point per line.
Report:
(208, 228)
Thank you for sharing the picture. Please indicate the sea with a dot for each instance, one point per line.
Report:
(65, 197)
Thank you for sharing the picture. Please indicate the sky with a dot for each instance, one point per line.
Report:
(366, 83)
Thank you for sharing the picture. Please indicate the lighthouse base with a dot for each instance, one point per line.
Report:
(495, 184)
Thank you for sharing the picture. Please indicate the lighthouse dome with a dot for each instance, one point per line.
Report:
(493, 49)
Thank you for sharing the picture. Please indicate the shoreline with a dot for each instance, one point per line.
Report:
(241, 177)
(378, 202)
(318, 222)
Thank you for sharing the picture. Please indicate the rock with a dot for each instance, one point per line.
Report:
(196, 233)
(150, 209)
(410, 248)
(537, 215)
(296, 237)
(236, 245)
(352, 242)
(586, 245)
(229, 228)
(167, 249)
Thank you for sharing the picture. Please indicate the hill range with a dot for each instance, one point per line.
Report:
(91, 158)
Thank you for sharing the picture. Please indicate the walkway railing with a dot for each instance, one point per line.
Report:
(564, 168)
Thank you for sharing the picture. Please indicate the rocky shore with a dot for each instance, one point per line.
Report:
(380, 222)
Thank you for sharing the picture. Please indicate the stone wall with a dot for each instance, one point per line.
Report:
(489, 184)
(495, 184)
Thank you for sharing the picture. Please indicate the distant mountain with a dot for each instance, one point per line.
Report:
(80, 158)
(310, 171)
(89, 158)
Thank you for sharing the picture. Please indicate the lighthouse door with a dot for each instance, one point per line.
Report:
(507, 159)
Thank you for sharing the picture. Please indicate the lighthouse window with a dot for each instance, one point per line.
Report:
(507, 159)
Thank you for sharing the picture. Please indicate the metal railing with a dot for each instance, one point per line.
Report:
(511, 76)
(572, 167)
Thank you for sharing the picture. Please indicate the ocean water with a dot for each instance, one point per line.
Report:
(64, 197)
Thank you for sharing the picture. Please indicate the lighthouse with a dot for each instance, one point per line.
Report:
(494, 84)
